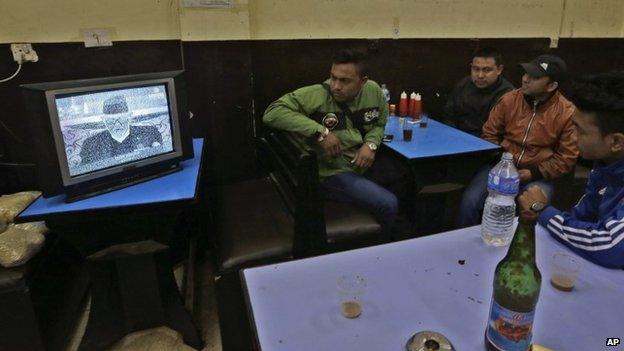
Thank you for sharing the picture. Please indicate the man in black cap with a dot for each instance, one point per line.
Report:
(534, 124)
(120, 137)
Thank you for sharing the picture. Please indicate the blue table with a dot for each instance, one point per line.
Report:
(436, 140)
(177, 186)
(442, 159)
(417, 285)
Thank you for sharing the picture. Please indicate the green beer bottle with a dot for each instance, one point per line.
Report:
(517, 282)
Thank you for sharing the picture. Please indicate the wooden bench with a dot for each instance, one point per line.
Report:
(278, 217)
(284, 215)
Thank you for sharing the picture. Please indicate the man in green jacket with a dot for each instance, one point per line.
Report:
(343, 119)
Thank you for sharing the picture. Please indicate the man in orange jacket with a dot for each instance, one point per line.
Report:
(534, 124)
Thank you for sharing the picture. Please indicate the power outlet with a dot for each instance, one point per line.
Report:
(23, 52)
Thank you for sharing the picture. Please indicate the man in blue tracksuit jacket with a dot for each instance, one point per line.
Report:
(594, 228)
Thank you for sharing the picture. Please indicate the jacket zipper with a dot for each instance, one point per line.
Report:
(526, 133)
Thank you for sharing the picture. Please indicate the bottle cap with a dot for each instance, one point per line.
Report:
(418, 97)
(507, 156)
(413, 95)
(403, 95)
(528, 217)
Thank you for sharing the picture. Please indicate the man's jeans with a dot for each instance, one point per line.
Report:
(473, 200)
(354, 188)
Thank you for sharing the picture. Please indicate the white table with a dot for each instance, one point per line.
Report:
(417, 285)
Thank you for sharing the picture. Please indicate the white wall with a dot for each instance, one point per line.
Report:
(63, 20)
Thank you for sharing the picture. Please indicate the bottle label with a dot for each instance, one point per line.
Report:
(508, 330)
(502, 185)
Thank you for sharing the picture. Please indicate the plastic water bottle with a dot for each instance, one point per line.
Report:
(500, 205)
(386, 93)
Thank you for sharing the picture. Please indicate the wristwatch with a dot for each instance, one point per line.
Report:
(322, 135)
(372, 146)
(538, 206)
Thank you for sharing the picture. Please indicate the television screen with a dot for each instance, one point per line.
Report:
(100, 134)
(104, 129)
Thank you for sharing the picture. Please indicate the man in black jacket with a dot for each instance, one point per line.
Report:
(470, 102)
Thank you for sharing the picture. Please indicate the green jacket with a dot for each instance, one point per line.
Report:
(308, 110)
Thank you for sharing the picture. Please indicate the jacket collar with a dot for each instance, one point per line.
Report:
(325, 85)
(543, 105)
(614, 173)
(489, 89)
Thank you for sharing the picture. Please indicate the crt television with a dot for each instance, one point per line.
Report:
(95, 135)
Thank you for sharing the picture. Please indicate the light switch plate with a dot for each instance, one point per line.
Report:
(97, 37)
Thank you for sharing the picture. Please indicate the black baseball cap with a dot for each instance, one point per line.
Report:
(547, 65)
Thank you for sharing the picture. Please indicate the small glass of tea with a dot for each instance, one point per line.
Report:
(565, 269)
(351, 287)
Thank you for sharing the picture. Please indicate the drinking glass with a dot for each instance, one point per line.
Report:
(565, 269)
(351, 288)
(407, 131)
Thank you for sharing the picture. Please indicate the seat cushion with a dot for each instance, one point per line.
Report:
(346, 221)
(253, 224)
(440, 188)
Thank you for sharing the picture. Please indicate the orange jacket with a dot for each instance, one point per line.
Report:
(541, 137)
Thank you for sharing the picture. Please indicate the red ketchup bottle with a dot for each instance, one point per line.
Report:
(415, 105)
(403, 108)
(412, 105)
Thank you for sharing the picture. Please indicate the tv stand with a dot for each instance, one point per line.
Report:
(124, 235)
(82, 193)
(133, 288)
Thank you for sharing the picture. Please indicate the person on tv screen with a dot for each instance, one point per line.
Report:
(120, 137)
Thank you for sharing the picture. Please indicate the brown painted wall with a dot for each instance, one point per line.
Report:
(230, 83)
(219, 79)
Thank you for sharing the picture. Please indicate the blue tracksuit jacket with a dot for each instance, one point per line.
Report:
(595, 226)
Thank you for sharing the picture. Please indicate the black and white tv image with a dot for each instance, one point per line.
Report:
(100, 134)
(106, 129)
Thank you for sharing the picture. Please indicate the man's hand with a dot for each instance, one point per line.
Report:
(525, 176)
(331, 145)
(364, 157)
(529, 197)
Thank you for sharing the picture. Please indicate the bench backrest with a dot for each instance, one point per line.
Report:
(292, 166)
